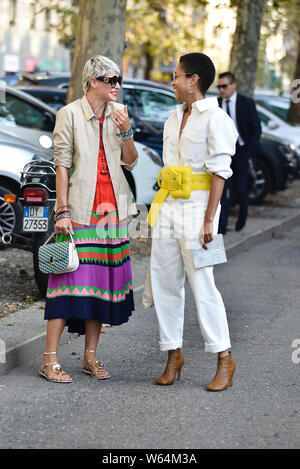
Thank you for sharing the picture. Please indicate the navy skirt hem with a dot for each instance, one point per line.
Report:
(77, 310)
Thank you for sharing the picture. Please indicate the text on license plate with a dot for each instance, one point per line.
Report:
(35, 219)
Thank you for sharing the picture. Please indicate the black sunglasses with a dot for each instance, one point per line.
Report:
(112, 80)
(224, 86)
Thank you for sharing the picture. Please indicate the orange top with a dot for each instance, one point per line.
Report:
(105, 200)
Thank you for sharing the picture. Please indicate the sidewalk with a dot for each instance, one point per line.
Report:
(23, 332)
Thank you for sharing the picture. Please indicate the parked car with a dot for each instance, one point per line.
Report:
(11, 79)
(149, 105)
(279, 105)
(272, 168)
(58, 79)
(275, 126)
(51, 96)
(14, 154)
(26, 117)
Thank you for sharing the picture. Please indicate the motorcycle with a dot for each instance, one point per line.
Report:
(37, 195)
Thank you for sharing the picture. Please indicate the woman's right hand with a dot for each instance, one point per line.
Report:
(63, 226)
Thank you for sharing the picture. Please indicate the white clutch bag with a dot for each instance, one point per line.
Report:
(215, 254)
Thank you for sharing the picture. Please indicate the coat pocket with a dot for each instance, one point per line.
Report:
(193, 146)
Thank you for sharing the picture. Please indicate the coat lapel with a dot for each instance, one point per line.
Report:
(238, 110)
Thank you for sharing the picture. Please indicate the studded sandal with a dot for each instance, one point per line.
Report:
(56, 368)
(98, 365)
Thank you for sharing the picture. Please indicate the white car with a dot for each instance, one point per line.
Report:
(27, 118)
(14, 154)
(145, 174)
(273, 125)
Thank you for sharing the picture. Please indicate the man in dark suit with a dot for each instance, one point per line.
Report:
(243, 112)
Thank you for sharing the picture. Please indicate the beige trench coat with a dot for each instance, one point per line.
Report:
(76, 146)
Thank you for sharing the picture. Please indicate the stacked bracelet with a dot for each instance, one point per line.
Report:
(126, 135)
(62, 212)
(61, 215)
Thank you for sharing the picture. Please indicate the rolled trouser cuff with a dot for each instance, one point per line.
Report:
(164, 346)
(215, 348)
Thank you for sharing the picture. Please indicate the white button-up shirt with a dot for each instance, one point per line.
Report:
(232, 111)
(207, 141)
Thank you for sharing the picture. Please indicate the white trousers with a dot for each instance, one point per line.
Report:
(178, 225)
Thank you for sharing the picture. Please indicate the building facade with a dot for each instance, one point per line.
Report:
(27, 41)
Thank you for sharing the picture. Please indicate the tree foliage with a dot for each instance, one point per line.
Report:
(283, 16)
(156, 30)
(159, 31)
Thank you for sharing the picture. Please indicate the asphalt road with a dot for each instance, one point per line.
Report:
(261, 291)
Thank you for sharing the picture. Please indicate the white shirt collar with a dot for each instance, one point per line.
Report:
(232, 98)
(200, 105)
(207, 103)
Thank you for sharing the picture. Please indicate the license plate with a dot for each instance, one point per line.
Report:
(35, 219)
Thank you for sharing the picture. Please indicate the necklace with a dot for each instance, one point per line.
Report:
(104, 169)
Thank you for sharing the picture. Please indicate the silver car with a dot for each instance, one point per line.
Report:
(14, 154)
(27, 118)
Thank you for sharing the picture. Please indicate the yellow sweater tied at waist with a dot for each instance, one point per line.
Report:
(178, 181)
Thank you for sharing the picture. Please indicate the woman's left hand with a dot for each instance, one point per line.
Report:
(206, 234)
(121, 119)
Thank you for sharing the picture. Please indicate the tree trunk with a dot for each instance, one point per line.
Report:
(149, 65)
(244, 52)
(294, 111)
(100, 31)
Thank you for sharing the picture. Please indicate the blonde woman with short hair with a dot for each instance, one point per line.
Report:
(92, 140)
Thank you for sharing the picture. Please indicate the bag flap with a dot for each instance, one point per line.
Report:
(54, 252)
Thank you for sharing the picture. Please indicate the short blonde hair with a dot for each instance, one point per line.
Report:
(97, 66)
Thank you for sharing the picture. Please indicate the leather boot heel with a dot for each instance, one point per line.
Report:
(224, 374)
(173, 368)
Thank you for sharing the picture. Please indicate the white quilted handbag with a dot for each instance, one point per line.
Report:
(58, 258)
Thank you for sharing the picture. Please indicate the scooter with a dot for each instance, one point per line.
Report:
(37, 195)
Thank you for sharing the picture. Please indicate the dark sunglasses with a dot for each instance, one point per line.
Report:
(223, 86)
(112, 80)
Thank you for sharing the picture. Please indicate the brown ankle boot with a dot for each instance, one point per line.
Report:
(174, 365)
(224, 374)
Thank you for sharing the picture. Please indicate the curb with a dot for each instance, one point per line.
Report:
(262, 235)
(25, 340)
(26, 350)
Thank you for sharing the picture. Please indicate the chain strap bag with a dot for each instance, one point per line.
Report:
(58, 258)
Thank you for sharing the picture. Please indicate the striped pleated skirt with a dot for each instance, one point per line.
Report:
(101, 288)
